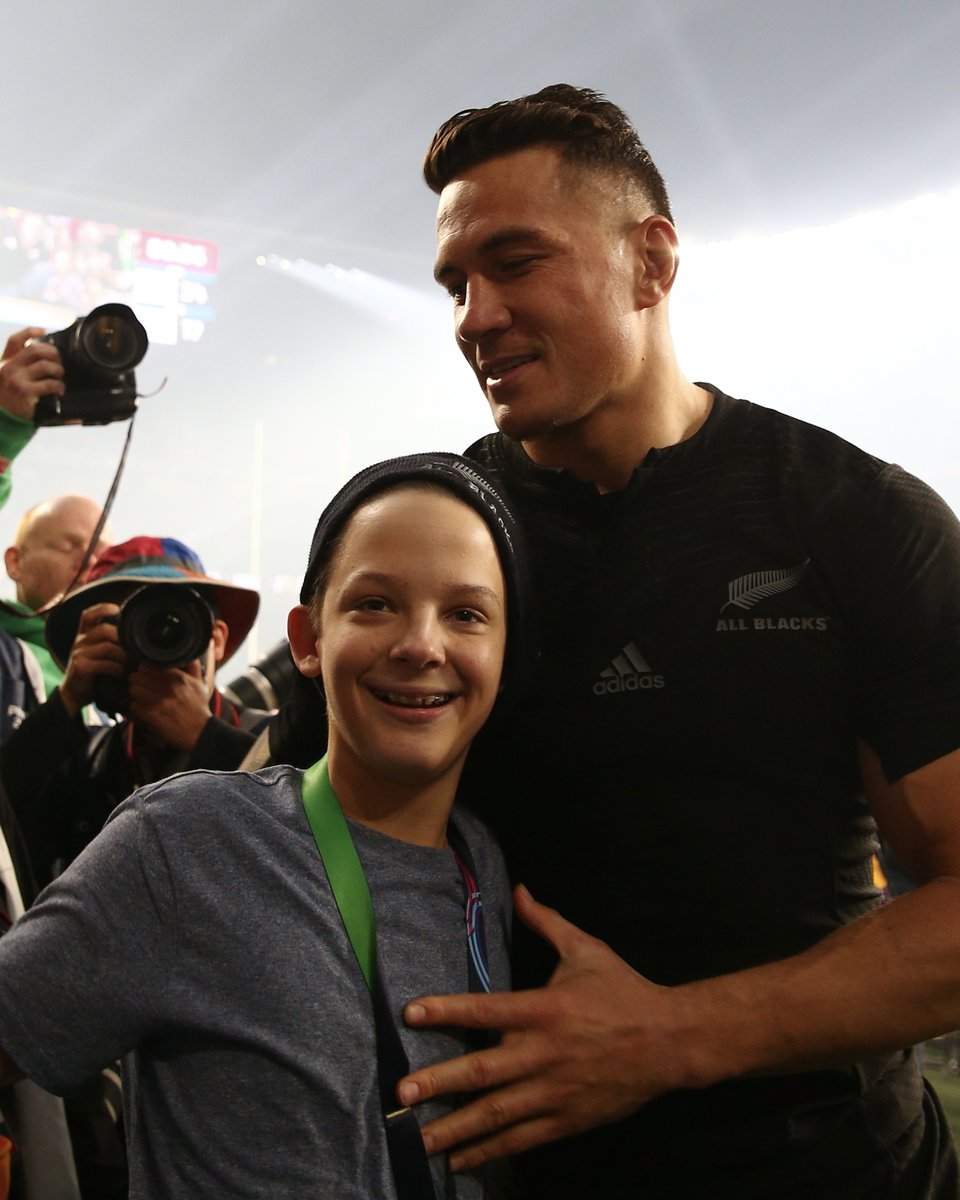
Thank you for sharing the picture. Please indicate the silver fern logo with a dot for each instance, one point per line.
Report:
(748, 590)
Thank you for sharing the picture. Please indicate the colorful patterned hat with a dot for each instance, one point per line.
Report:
(143, 560)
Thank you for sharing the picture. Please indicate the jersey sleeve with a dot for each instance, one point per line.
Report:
(905, 619)
(83, 971)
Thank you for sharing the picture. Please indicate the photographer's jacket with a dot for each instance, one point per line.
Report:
(64, 778)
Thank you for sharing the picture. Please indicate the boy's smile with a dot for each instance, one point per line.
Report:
(410, 643)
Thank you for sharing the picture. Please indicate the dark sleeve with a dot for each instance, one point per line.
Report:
(298, 733)
(220, 746)
(905, 617)
(19, 855)
(31, 757)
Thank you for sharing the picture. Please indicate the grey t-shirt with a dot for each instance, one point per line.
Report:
(197, 936)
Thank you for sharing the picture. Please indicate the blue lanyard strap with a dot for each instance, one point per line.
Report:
(477, 966)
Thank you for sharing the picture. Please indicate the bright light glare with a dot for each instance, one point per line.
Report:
(853, 326)
(372, 294)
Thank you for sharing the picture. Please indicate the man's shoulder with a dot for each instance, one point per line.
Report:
(734, 426)
(746, 425)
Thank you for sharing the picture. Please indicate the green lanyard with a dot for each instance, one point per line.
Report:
(408, 1159)
(347, 880)
(349, 886)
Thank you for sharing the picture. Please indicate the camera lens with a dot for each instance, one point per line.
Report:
(267, 683)
(166, 624)
(111, 338)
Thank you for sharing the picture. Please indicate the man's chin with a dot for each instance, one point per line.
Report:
(516, 424)
(536, 437)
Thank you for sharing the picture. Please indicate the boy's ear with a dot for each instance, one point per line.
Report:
(304, 642)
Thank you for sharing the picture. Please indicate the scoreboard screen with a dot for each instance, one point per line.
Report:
(55, 268)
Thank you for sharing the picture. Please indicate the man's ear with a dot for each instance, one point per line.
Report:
(656, 258)
(304, 641)
(11, 560)
(219, 639)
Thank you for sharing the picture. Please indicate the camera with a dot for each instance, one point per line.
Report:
(99, 352)
(164, 624)
(267, 683)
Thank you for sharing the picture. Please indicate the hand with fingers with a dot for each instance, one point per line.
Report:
(96, 651)
(172, 703)
(28, 369)
(585, 1050)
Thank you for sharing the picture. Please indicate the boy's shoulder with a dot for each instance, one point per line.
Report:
(213, 798)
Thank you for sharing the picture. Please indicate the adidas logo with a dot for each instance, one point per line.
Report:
(629, 672)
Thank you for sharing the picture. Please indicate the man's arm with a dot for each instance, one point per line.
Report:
(600, 1041)
(28, 369)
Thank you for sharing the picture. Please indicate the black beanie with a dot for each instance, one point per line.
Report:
(464, 480)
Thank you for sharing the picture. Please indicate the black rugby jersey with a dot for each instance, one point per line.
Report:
(679, 777)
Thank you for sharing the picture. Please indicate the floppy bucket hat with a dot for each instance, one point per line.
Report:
(143, 560)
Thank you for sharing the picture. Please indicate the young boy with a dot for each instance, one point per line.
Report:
(199, 936)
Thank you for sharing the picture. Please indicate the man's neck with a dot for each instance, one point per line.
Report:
(608, 450)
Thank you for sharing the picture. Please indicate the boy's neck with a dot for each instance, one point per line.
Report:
(414, 812)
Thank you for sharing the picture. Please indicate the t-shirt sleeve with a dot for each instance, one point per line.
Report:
(906, 622)
(15, 433)
(83, 973)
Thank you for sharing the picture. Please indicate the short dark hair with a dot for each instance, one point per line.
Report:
(584, 126)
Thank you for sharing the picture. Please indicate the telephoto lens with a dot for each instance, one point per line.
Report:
(267, 683)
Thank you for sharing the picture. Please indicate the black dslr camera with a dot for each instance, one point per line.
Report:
(99, 352)
(164, 624)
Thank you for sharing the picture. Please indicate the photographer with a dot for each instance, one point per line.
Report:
(51, 538)
(47, 551)
(64, 779)
(42, 561)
